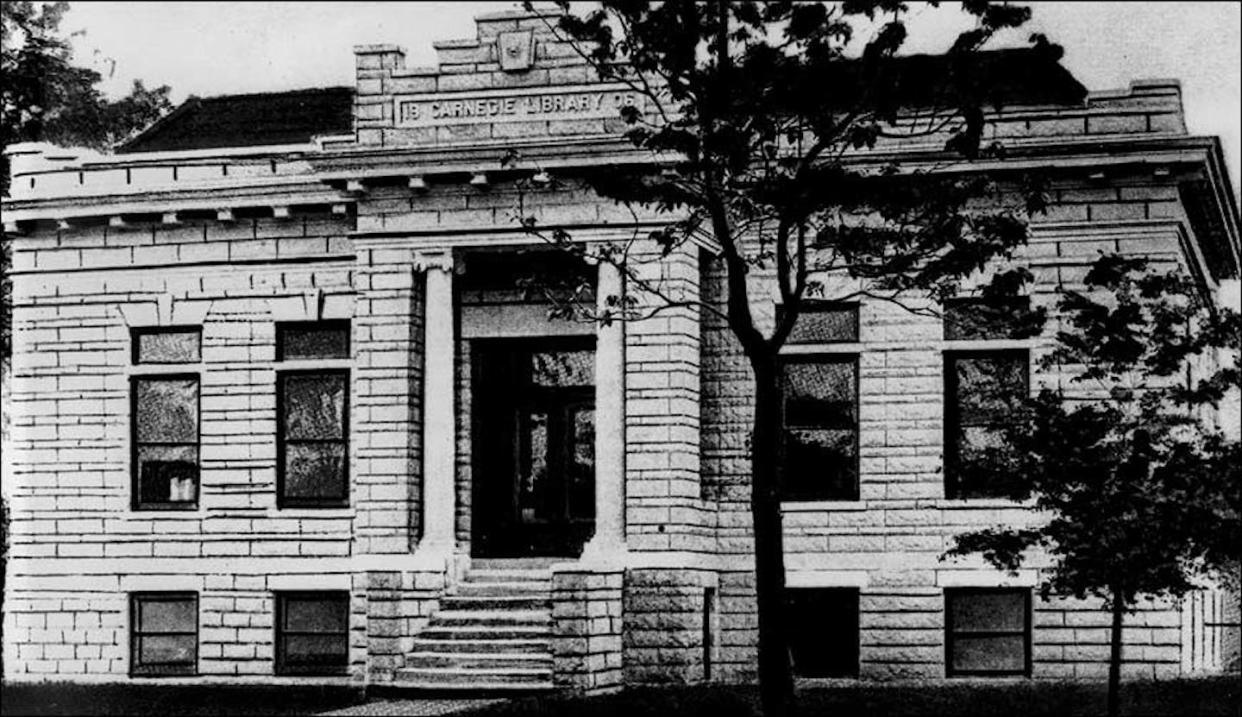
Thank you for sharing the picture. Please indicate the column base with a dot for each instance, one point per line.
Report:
(432, 555)
(604, 552)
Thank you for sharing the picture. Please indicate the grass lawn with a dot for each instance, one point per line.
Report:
(1206, 696)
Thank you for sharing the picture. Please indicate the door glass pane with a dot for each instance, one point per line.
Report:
(582, 464)
(533, 490)
(999, 653)
(562, 368)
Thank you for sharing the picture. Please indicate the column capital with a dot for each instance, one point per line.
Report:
(439, 260)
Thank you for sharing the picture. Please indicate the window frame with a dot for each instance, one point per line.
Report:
(136, 502)
(856, 592)
(952, 416)
(850, 357)
(283, 501)
(281, 666)
(951, 633)
(136, 666)
(137, 333)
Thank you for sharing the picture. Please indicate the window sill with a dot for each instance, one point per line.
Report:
(982, 503)
(809, 506)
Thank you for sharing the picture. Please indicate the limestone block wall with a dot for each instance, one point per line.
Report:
(588, 618)
(77, 548)
(887, 544)
(670, 625)
(398, 605)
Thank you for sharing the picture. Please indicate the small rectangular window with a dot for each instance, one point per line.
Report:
(308, 341)
(988, 631)
(824, 323)
(313, 438)
(985, 391)
(163, 634)
(820, 396)
(312, 633)
(982, 319)
(167, 345)
(822, 629)
(165, 433)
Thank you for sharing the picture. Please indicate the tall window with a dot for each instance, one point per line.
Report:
(987, 631)
(819, 385)
(165, 421)
(822, 629)
(312, 633)
(985, 387)
(313, 416)
(163, 634)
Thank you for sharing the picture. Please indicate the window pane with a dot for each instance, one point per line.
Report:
(315, 470)
(533, 496)
(1001, 653)
(169, 346)
(317, 650)
(820, 465)
(824, 324)
(314, 406)
(155, 615)
(157, 649)
(991, 387)
(982, 319)
(822, 627)
(327, 614)
(167, 474)
(312, 342)
(167, 410)
(822, 393)
(563, 368)
(988, 612)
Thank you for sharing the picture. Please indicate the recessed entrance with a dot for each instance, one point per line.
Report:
(534, 446)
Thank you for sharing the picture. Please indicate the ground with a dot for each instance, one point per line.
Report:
(1204, 696)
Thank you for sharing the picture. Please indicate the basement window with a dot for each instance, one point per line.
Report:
(312, 633)
(822, 629)
(987, 632)
(163, 634)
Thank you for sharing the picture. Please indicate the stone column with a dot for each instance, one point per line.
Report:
(439, 407)
(609, 540)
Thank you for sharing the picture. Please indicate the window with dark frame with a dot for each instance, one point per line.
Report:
(987, 632)
(164, 425)
(988, 319)
(163, 634)
(167, 345)
(312, 417)
(984, 395)
(823, 323)
(820, 432)
(822, 631)
(312, 633)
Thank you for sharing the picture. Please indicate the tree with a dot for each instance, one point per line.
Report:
(750, 112)
(1140, 488)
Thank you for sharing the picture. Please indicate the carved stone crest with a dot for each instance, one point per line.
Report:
(517, 50)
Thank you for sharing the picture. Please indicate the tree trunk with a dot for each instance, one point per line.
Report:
(1114, 658)
(775, 679)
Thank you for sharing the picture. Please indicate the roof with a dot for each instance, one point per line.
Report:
(999, 77)
(267, 118)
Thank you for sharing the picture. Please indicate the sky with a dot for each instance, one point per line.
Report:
(214, 48)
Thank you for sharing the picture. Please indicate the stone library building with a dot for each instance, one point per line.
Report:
(283, 407)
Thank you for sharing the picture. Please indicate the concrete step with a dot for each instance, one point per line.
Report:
(509, 575)
(502, 618)
(515, 563)
(527, 646)
(486, 632)
(479, 660)
(502, 588)
(441, 678)
(531, 601)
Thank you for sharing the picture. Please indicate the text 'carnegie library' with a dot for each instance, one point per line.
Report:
(542, 106)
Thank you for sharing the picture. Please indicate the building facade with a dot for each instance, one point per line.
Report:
(284, 406)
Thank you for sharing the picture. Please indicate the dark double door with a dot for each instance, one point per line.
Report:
(533, 447)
